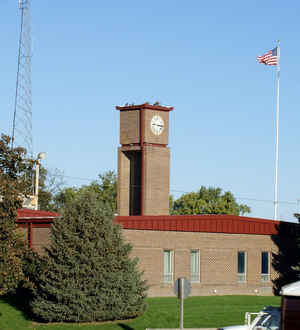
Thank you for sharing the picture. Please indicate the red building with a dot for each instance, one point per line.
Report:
(219, 254)
(36, 227)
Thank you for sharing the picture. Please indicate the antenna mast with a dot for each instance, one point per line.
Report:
(22, 120)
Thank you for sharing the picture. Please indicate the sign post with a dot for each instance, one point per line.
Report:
(182, 289)
(181, 302)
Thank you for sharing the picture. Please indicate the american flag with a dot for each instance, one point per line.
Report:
(270, 58)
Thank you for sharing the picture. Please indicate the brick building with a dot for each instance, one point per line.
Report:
(219, 254)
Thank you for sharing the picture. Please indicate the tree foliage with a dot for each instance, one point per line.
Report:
(88, 275)
(297, 216)
(50, 184)
(14, 185)
(105, 190)
(286, 260)
(208, 201)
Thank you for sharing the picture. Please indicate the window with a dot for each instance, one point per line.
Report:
(168, 266)
(195, 266)
(265, 266)
(241, 266)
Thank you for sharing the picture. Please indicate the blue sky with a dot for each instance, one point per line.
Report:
(200, 57)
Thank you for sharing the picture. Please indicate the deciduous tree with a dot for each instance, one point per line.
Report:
(105, 190)
(14, 185)
(208, 201)
(286, 258)
(51, 183)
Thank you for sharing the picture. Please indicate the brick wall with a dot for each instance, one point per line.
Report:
(218, 260)
(123, 183)
(157, 176)
(129, 127)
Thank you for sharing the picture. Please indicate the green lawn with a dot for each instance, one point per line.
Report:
(199, 312)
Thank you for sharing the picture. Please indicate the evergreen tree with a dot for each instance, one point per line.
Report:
(14, 185)
(88, 275)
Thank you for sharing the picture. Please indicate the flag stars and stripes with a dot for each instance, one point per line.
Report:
(269, 58)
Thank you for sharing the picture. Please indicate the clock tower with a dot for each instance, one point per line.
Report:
(144, 160)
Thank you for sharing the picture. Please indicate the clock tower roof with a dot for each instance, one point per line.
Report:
(144, 106)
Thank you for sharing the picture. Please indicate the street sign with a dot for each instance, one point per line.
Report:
(186, 287)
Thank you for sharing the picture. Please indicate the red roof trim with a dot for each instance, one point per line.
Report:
(36, 214)
(230, 224)
(144, 106)
(34, 220)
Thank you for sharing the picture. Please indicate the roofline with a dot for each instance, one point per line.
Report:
(144, 106)
(200, 217)
(226, 224)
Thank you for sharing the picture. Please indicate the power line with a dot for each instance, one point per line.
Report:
(77, 178)
(186, 192)
(266, 200)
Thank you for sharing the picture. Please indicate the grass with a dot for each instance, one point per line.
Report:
(199, 312)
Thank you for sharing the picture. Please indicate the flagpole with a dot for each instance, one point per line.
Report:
(277, 126)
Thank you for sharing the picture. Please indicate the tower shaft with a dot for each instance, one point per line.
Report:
(143, 160)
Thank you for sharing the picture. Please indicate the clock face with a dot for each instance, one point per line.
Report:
(157, 125)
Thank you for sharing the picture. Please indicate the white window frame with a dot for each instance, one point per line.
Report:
(241, 277)
(265, 277)
(195, 275)
(168, 266)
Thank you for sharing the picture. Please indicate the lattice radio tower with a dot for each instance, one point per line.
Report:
(22, 120)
